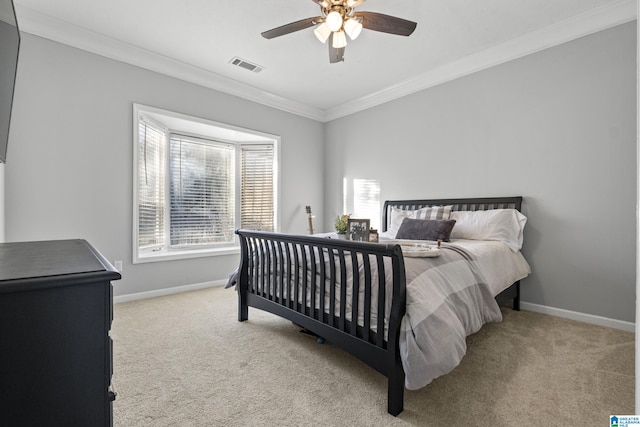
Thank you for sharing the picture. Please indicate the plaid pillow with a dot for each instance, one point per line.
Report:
(429, 212)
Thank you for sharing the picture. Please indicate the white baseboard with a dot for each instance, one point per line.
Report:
(581, 317)
(167, 291)
(559, 312)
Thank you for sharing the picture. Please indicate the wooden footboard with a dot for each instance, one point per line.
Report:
(327, 287)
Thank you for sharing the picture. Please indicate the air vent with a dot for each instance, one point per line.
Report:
(242, 63)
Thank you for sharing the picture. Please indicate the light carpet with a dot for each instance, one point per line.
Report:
(185, 360)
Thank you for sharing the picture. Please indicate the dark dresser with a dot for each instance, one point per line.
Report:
(56, 308)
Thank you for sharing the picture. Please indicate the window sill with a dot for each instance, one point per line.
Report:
(184, 254)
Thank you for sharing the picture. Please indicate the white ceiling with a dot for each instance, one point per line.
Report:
(195, 40)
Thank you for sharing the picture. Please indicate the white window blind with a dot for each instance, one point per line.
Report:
(366, 200)
(257, 195)
(202, 196)
(197, 181)
(151, 143)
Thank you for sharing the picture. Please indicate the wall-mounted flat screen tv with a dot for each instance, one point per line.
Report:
(9, 47)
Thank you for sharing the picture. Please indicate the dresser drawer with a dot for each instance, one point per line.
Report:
(109, 361)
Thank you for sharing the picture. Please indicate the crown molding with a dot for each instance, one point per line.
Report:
(42, 25)
(602, 18)
(608, 16)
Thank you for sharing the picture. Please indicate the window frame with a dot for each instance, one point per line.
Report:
(177, 123)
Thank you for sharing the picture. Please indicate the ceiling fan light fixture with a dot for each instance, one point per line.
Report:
(353, 28)
(322, 32)
(339, 40)
(334, 20)
(339, 20)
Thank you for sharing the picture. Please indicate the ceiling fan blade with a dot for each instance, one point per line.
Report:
(386, 24)
(335, 55)
(292, 27)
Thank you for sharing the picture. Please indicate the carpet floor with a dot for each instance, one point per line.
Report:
(185, 360)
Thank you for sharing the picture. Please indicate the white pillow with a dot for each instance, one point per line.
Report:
(506, 225)
(429, 212)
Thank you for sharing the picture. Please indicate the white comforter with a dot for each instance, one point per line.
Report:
(449, 298)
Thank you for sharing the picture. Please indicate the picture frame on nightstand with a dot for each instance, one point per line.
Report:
(358, 229)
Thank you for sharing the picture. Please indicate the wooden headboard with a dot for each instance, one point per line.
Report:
(470, 204)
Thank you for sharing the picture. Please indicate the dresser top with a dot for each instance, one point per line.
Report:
(55, 262)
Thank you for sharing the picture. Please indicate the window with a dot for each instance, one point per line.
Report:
(201, 191)
(196, 182)
(150, 186)
(366, 200)
(257, 188)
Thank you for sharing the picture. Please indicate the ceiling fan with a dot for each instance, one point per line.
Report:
(339, 17)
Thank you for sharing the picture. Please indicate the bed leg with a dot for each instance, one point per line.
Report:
(243, 308)
(516, 299)
(395, 392)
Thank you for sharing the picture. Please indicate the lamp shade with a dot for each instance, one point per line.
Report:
(353, 28)
(334, 21)
(339, 39)
(322, 32)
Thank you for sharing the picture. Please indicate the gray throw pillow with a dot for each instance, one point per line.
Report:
(426, 229)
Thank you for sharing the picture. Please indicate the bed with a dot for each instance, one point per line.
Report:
(430, 293)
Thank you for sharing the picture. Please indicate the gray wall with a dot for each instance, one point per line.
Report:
(69, 164)
(557, 127)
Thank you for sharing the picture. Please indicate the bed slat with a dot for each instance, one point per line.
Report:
(381, 301)
(367, 297)
(342, 302)
(355, 292)
(323, 280)
(332, 289)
